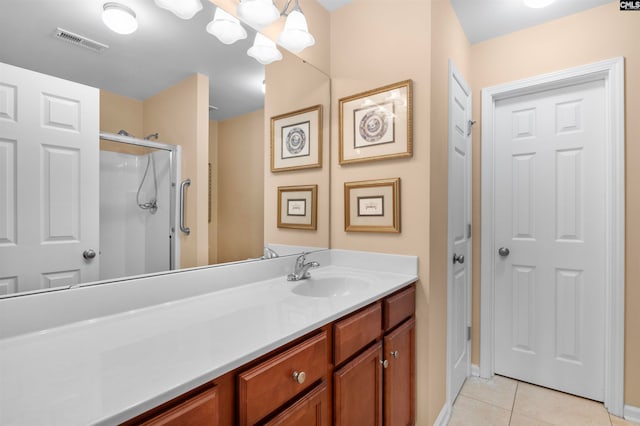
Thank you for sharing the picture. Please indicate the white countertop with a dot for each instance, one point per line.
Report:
(109, 369)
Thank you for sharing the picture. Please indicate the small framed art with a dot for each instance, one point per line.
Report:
(372, 206)
(296, 140)
(377, 124)
(297, 207)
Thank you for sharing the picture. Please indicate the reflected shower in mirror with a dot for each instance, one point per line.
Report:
(169, 77)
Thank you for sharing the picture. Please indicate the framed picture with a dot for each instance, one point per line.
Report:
(296, 140)
(377, 124)
(297, 207)
(372, 206)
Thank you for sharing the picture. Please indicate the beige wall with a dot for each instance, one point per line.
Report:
(590, 36)
(239, 184)
(291, 85)
(363, 58)
(180, 114)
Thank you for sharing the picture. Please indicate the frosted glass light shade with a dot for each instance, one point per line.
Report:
(295, 36)
(264, 50)
(184, 9)
(119, 18)
(537, 4)
(226, 27)
(258, 13)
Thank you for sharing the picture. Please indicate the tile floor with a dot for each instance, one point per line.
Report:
(503, 402)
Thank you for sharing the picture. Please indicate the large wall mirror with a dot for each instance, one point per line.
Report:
(176, 109)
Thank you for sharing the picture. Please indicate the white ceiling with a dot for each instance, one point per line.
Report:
(166, 49)
(485, 19)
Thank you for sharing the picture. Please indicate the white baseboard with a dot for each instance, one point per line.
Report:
(444, 416)
(475, 370)
(631, 413)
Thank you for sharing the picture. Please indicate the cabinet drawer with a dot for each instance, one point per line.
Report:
(271, 383)
(356, 331)
(399, 307)
(202, 409)
(310, 410)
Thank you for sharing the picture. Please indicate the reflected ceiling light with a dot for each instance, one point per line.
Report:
(264, 50)
(119, 18)
(226, 27)
(295, 36)
(184, 9)
(258, 13)
(537, 4)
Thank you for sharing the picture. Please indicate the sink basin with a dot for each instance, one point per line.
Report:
(330, 286)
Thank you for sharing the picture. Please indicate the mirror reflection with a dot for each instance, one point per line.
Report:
(175, 104)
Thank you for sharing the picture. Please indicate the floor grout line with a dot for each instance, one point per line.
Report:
(513, 404)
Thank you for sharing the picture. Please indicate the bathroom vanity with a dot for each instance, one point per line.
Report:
(228, 349)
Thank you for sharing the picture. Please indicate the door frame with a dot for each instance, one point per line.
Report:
(455, 74)
(612, 73)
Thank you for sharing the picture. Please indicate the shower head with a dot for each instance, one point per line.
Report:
(152, 135)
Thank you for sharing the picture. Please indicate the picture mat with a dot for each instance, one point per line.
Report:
(296, 195)
(373, 191)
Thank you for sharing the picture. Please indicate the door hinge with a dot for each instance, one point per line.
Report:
(469, 230)
(468, 332)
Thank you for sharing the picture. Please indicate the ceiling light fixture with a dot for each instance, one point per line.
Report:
(264, 50)
(226, 27)
(258, 13)
(538, 4)
(184, 9)
(119, 18)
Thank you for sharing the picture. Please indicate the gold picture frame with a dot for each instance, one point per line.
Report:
(297, 207)
(296, 140)
(377, 124)
(372, 206)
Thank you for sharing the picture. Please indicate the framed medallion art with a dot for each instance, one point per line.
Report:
(372, 206)
(377, 124)
(296, 140)
(297, 207)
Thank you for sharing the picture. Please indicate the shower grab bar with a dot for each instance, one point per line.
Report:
(183, 187)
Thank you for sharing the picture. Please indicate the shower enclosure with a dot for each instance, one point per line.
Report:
(137, 206)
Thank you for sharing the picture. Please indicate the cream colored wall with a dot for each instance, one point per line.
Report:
(291, 85)
(117, 113)
(364, 55)
(180, 114)
(239, 185)
(590, 36)
(215, 183)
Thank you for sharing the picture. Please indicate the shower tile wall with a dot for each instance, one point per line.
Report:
(133, 241)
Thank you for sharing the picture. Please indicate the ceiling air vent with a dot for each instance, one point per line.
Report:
(80, 41)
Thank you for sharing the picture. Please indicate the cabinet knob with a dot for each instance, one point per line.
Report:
(395, 354)
(385, 363)
(299, 377)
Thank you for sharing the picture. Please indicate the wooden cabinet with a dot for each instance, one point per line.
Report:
(268, 385)
(378, 385)
(399, 375)
(200, 410)
(358, 389)
(310, 410)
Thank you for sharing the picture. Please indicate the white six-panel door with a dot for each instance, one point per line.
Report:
(48, 181)
(550, 216)
(459, 233)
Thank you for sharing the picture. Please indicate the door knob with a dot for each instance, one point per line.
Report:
(503, 251)
(89, 254)
(458, 258)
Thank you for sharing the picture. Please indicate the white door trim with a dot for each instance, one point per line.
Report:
(612, 73)
(455, 74)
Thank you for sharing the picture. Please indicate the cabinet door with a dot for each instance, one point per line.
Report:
(358, 389)
(201, 410)
(310, 410)
(399, 376)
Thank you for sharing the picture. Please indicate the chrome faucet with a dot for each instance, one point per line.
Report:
(301, 270)
(269, 253)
